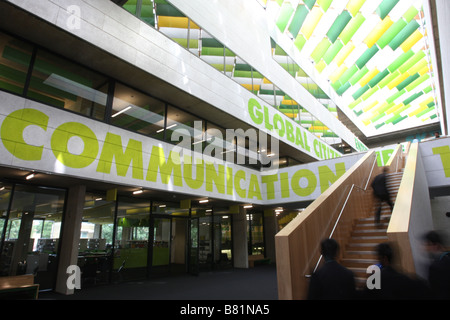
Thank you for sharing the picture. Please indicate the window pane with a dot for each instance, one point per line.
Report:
(32, 236)
(60, 83)
(15, 57)
(132, 233)
(184, 129)
(94, 258)
(138, 112)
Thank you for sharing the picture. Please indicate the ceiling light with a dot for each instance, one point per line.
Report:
(248, 206)
(204, 201)
(30, 176)
(138, 191)
(121, 111)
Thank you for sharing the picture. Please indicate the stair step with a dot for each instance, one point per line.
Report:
(369, 233)
(360, 255)
(358, 263)
(369, 239)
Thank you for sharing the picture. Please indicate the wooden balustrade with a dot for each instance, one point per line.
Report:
(298, 244)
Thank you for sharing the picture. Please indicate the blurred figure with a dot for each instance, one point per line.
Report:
(394, 285)
(439, 269)
(332, 281)
(381, 193)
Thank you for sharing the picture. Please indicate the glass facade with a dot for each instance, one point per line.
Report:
(30, 234)
(42, 76)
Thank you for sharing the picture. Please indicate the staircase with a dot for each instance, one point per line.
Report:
(359, 252)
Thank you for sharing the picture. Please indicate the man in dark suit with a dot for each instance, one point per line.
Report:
(394, 285)
(332, 281)
(381, 193)
(439, 269)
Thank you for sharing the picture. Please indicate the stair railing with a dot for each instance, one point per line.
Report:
(298, 244)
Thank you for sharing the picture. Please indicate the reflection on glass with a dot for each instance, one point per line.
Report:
(61, 83)
(137, 112)
(5, 195)
(218, 145)
(32, 234)
(184, 129)
(15, 57)
(255, 233)
(161, 242)
(132, 234)
(96, 239)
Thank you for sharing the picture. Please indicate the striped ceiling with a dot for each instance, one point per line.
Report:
(373, 53)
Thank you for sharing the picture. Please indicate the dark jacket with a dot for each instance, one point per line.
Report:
(332, 282)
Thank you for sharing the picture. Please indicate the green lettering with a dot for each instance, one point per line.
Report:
(444, 152)
(158, 161)
(290, 132)
(253, 189)
(284, 184)
(269, 181)
(240, 175)
(267, 123)
(12, 130)
(60, 140)
(280, 128)
(187, 172)
(310, 187)
(256, 115)
(327, 176)
(113, 150)
(218, 178)
(299, 138)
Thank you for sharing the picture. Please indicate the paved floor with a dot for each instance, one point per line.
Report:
(258, 283)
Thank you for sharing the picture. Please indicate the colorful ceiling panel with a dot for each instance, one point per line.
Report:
(171, 22)
(373, 53)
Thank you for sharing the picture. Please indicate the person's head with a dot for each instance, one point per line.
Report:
(329, 249)
(385, 254)
(433, 242)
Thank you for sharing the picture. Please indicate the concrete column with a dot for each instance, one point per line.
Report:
(270, 230)
(70, 232)
(240, 241)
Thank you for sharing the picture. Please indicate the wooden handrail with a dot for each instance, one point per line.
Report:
(298, 244)
(411, 216)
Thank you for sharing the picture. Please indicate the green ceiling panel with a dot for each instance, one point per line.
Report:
(404, 34)
(324, 4)
(366, 56)
(284, 16)
(412, 98)
(298, 19)
(320, 50)
(400, 61)
(412, 61)
(358, 75)
(417, 82)
(360, 91)
(385, 7)
(375, 80)
(310, 3)
(332, 51)
(407, 81)
(351, 28)
(410, 14)
(395, 96)
(338, 25)
(393, 30)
